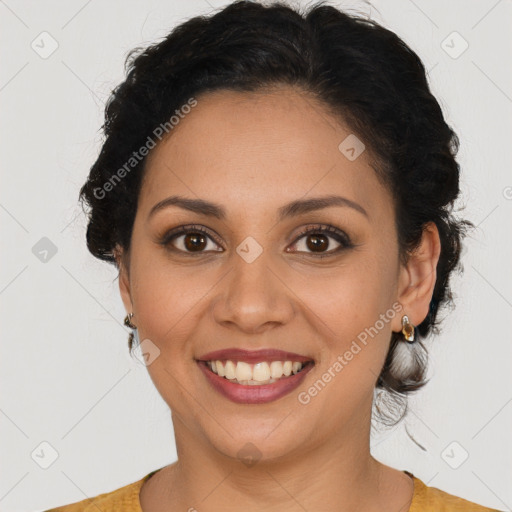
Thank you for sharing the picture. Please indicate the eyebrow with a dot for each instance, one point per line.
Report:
(292, 209)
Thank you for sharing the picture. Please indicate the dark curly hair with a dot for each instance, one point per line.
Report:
(361, 72)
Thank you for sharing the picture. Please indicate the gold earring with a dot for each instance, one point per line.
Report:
(407, 329)
(127, 321)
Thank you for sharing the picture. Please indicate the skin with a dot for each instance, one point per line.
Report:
(253, 153)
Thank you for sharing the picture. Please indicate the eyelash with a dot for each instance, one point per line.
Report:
(333, 232)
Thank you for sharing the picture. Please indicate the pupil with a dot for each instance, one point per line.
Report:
(194, 241)
(319, 242)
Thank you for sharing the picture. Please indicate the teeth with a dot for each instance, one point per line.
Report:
(276, 369)
(296, 367)
(229, 370)
(254, 374)
(261, 372)
(219, 369)
(243, 371)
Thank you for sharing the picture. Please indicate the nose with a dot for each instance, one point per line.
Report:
(253, 297)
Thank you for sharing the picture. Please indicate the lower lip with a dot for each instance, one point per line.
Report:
(258, 394)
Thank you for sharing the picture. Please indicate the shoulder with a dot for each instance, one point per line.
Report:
(431, 499)
(125, 498)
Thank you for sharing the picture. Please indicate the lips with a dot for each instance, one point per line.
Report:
(253, 356)
(242, 394)
(254, 394)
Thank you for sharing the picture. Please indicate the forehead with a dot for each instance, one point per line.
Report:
(254, 150)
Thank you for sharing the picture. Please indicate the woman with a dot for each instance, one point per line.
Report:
(275, 189)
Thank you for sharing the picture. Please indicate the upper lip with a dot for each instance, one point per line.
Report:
(253, 356)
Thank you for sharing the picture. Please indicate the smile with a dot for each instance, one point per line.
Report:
(255, 374)
(245, 387)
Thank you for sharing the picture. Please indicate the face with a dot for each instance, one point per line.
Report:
(251, 279)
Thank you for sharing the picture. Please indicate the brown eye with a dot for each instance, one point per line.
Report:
(317, 243)
(316, 240)
(190, 240)
(195, 241)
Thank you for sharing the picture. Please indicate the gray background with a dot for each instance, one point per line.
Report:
(67, 378)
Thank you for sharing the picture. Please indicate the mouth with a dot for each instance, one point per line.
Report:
(259, 374)
(254, 376)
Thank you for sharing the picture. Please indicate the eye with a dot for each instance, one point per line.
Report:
(198, 240)
(317, 240)
(190, 239)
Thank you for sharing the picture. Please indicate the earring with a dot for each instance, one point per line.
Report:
(406, 361)
(127, 321)
(407, 329)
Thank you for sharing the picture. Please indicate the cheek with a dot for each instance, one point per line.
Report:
(353, 321)
(170, 303)
(349, 298)
(351, 310)
(165, 295)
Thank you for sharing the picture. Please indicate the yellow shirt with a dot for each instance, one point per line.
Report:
(126, 499)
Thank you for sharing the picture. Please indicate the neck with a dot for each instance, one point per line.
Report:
(338, 475)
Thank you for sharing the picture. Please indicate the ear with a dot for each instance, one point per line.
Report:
(418, 278)
(124, 278)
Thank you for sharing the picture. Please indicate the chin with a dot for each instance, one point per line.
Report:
(269, 442)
